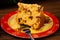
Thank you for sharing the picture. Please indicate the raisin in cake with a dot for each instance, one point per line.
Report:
(30, 14)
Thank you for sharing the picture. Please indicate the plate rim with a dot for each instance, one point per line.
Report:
(37, 35)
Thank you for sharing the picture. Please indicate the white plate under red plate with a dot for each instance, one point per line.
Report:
(6, 28)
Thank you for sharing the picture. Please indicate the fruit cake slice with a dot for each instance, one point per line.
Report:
(30, 14)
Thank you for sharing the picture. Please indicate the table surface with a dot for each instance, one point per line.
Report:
(49, 6)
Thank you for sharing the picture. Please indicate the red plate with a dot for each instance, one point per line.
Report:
(6, 28)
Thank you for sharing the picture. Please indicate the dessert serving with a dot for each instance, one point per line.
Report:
(30, 16)
(29, 21)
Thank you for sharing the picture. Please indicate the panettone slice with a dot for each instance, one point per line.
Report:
(30, 14)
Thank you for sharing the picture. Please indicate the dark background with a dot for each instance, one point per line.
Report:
(52, 6)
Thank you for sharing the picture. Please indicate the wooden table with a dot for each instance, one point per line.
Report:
(49, 6)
